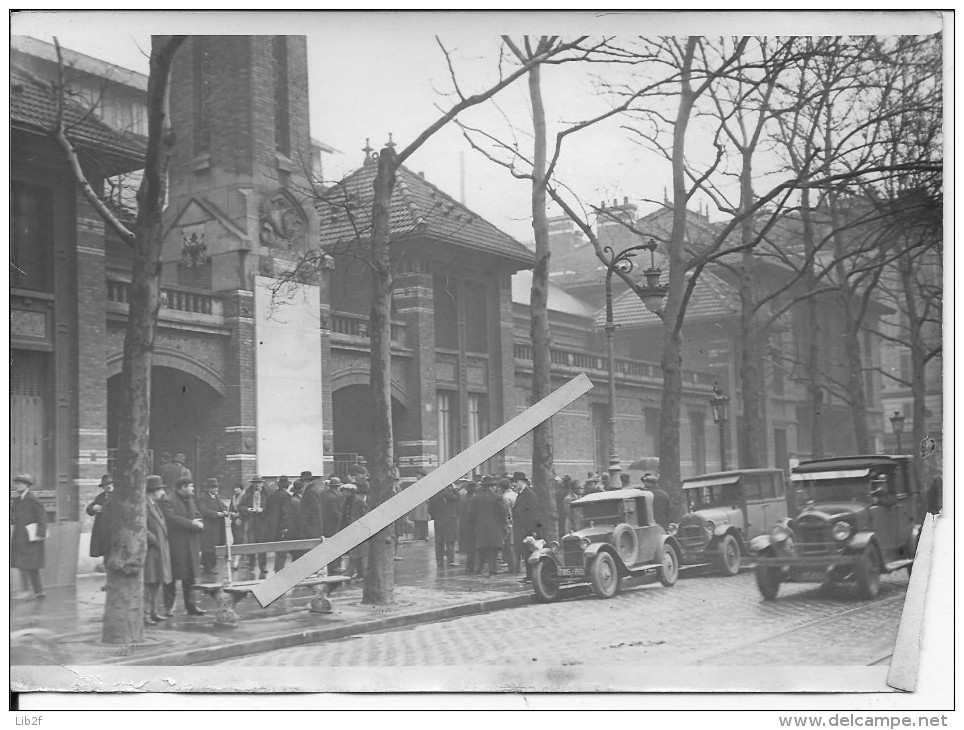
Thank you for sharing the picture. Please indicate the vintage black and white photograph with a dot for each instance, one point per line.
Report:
(477, 352)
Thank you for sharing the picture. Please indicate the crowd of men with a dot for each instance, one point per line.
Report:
(488, 518)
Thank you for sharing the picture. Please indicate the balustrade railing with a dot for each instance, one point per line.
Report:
(591, 361)
(356, 325)
(179, 299)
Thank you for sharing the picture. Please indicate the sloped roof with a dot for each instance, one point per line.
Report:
(78, 61)
(712, 299)
(419, 208)
(33, 109)
(559, 300)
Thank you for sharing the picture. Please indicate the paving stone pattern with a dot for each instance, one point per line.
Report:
(706, 620)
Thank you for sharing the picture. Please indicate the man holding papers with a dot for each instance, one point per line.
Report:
(29, 521)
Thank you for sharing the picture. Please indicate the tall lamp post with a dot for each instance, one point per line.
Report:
(719, 403)
(897, 423)
(652, 294)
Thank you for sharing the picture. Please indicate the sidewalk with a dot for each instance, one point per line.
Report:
(73, 615)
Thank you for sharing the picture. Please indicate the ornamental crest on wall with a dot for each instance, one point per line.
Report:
(283, 221)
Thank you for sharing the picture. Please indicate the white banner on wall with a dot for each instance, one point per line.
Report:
(288, 366)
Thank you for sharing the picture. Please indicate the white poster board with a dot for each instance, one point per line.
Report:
(288, 375)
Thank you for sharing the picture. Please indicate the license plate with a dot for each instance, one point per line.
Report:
(571, 572)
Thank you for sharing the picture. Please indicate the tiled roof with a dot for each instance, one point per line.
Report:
(418, 209)
(712, 299)
(32, 108)
(559, 299)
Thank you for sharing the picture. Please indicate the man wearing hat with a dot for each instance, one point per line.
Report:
(332, 502)
(490, 517)
(173, 469)
(184, 528)
(252, 512)
(467, 526)
(509, 557)
(29, 519)
(157, 562)
(661, 506)
(277, 517)
(354, 508)
(443, 508)
(100, 532)
(524, 517)
(213, 511)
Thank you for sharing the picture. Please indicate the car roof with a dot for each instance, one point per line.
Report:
(724, 477)
(615, 496)
(849, 462)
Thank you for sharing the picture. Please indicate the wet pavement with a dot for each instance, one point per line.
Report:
(65, 626)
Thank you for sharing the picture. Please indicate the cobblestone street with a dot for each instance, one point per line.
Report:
(705, 620)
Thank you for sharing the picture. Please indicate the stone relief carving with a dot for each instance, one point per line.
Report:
(283, 221)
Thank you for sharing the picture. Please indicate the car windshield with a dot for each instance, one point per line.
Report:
(718, 495)
(599, 513)
(835, 490)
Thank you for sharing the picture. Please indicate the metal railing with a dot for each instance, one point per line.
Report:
(356, 325)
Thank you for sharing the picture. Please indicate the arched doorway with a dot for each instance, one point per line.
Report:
(185, 417)
(352, 420)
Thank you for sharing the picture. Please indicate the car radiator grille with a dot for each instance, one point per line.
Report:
(692, 536)
(813, 540)
(572, 556)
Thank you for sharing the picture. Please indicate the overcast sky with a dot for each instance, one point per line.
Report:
(375, 73)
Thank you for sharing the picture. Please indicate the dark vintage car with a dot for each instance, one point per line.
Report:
(615, 537)
(726, 510)
(859, 517)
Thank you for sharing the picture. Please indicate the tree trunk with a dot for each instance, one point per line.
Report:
(751, 365)
(379, 585)
(672, 361)
(124, 605)
(542, 467)
(812, 332)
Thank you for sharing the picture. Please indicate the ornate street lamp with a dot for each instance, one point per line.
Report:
(719, 403)
(652, 294)
(897, 423)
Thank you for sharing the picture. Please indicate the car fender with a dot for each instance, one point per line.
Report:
(604, 547)
(722, 531)
(674, 543)
(537, 555)
(759, 544)
(859, 542)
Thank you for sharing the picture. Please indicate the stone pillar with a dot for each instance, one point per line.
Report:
(503, 400)
(417, 439)
(236, 449)
(327, 404)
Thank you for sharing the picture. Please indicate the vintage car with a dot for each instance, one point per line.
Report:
(726, 510)
(615, 537)
(859, 518)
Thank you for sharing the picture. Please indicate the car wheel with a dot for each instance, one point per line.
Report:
(768, 581)
(603, 576)
(669, 565)
(728, 559)
(545, 581)
(868, 574)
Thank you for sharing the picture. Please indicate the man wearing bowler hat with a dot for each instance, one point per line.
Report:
(29, 520)
(184, 526)
(524, 518)
(213, 512)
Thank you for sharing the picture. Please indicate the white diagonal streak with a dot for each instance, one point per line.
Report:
(404, 502)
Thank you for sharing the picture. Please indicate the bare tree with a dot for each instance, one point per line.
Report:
(123, 610)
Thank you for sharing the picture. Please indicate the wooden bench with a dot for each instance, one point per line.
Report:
(228, 592)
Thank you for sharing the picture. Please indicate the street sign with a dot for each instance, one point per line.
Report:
(405, 501)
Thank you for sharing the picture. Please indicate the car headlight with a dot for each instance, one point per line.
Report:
(779, 533)
(584, 543)
(554, 546)
(841, 530)
(709, 525)
(673, 528)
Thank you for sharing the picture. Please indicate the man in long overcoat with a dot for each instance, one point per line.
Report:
(443, 507)
(331, 503)
(213, 512)
(157, 562)
(490, 515)
(25, 554)
(252, 512)
(524, 518)
(354, 508)
(100, 531)
(277, 518)
(184, 528)
(467, 527)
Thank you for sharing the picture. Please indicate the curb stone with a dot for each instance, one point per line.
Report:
(221, 652)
